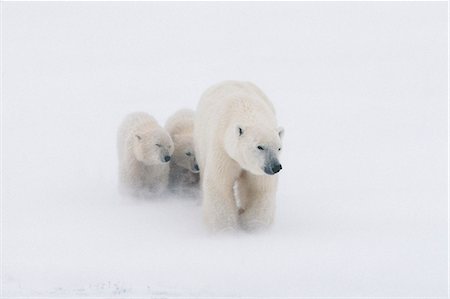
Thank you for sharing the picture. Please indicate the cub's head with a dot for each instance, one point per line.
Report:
(152, 146)
(256, 149)
(184, 154)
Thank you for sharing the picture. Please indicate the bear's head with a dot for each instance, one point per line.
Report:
(184, 154)
(256, 149)
(152, 147)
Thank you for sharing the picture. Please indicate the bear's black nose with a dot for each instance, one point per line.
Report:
(276, 168)
(273, 168)
(196, 167)
(167, 158)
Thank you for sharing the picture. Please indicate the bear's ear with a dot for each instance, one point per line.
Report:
(179, 140)
(239, 130)
(175, 138)
(281, 132)
(138, 137)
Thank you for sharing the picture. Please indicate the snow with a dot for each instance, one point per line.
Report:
(360, 87)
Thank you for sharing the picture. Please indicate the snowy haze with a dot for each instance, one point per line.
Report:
(360, 88)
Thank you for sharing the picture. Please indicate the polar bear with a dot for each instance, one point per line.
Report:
(145, 150)
(184, 170)
(238, 143)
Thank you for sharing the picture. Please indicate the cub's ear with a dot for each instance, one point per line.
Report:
(138, 137)
(181, 139)
(175, 139)
(239, 130)
(281, 132)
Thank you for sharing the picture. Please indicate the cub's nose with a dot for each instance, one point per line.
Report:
(276, 168)
(196, 167)
(167, 158)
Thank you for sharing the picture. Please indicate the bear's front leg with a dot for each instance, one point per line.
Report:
(220, 212)
(156, 180)
(257, 197)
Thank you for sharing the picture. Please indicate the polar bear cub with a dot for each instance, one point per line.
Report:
(184, 170)
(238, 143)
(145, 150)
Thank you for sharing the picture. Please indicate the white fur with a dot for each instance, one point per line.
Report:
(226, 158)
(142, 145)
(183, 173)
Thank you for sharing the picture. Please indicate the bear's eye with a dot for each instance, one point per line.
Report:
(188, 154)
(260, 148)
(158, 145)
(279, 149)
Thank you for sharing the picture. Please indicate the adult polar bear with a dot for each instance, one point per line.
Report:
(237, 141)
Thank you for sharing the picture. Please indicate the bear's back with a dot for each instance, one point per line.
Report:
(230, 100)
(182, 122)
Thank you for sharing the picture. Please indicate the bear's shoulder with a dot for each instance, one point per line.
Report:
(181, 122)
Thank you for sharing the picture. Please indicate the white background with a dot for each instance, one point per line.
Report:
(361, 89)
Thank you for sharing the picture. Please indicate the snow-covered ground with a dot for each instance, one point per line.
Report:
(361, 89)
